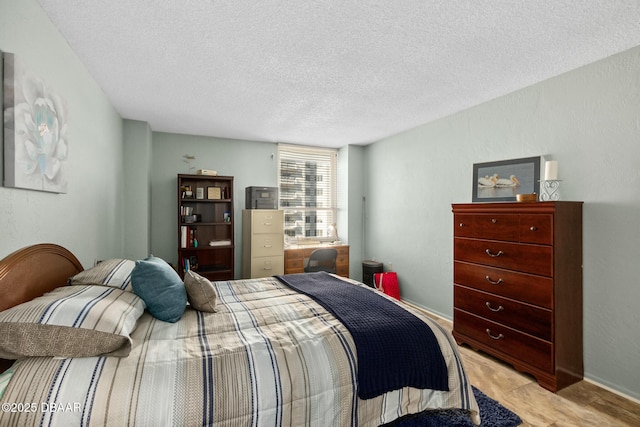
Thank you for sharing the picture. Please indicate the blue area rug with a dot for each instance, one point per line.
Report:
(492, 414)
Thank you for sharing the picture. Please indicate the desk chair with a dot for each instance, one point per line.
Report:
(321, 260)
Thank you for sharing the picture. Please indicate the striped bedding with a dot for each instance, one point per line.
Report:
(269, 356)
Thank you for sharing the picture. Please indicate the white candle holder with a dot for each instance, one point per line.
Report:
(549, 190)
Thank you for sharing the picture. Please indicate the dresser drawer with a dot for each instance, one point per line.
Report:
(532, 320)
(266, 245)
(267, 266)
(536, 229)
(487, 226)
(267, 221)
(463, 225)
(535, 259)
(523, 347)
(529, 288)
(523, 228)
(496, 227)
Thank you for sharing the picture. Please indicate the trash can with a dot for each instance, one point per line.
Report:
(369, 268)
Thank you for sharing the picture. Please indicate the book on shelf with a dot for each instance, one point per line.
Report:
(220, 242)
(188, 237)
(183, 236)
(189, 263)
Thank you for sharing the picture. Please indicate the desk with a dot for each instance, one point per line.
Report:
(294, 256)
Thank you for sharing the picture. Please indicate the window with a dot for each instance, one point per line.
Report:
(307, 180)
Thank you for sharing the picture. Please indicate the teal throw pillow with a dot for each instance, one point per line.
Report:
(160, 287)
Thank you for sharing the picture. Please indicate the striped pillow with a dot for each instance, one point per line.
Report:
(110, 272)
(71, 321)
(5, 377)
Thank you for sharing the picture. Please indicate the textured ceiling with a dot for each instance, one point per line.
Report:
(328, 72)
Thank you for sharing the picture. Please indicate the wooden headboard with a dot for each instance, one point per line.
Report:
(33, 271)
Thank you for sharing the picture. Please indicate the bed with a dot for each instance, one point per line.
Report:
(253, 352)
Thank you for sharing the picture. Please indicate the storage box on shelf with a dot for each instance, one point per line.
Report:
(205, 226)
(518, 286)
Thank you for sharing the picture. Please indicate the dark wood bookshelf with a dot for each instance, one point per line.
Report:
(206, 226)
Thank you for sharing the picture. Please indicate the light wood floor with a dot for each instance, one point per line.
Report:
(581, 405)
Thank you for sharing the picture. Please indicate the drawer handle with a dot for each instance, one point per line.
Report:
(267, 246)
(495, 337)
(462, 224)
(268, 268)
(493, 220)
(533, 228)
(494, 309)
(492, 255)
(268, 224)
(493, 282)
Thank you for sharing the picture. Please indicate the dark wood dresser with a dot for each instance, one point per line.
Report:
(518, 286)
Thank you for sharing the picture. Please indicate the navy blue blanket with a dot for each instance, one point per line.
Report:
(395, 348)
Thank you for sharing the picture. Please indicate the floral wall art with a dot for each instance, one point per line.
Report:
(35, 131)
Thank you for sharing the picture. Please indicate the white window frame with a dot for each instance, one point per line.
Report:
(304, 222)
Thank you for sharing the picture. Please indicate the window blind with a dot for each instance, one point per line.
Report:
(307, 181)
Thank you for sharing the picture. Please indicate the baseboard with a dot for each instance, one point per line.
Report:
(612, 390)
(428, 311)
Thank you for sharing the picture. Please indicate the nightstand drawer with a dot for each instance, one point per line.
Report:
(529, 288)
(532, 320)
(497, 337)
(535, 259)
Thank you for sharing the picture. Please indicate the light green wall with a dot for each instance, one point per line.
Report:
(250, 163)
(88, 220)
(350, 191)
(137, 138)
(588, 120)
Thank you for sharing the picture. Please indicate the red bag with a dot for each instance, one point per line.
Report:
(387, 283)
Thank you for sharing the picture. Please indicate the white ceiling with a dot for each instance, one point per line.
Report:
(328, 72)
